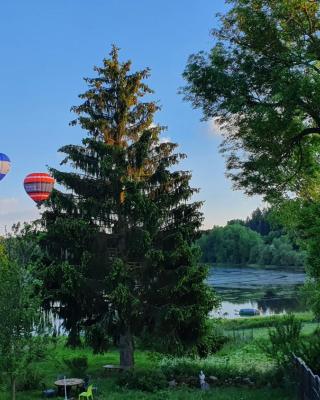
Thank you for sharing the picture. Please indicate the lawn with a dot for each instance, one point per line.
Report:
(111, 393)
(240, 357)
(243, 358)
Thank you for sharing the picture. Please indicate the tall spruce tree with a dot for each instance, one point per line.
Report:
(120, 239)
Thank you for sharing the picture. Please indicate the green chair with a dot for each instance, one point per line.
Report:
(88, 394)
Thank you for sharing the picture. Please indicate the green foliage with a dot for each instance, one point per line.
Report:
(259, 222)
(211, 342)
(235, 359)
(261, 84)
(120, 237)
(280, 252)
(186, 370)
(311, 295)
(226, 393)
(237, 244)
(21, 319)
(97, 338)
(231, 244)
(262, 321)
(310, 351)
(302, 219)
(30, 378)
(150, 381)
(284, 341)
(77, 366)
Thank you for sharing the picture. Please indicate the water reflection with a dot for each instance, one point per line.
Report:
(269, 291)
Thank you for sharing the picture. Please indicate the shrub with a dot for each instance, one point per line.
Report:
(77, 365)
(284, 340)
(30, 379)
(230, 370)
(182, 369)
(97, 339)
(149, 381)
(211, 342)
(310, 352)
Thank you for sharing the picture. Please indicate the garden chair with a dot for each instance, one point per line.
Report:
(88, 394)
(86, 383)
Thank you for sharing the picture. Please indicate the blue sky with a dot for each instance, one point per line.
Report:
(48, 47)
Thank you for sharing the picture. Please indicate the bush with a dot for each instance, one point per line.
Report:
(30, 379)
(284, 340)
(180, 367)
(311, 350)
(211, 342)
(233, 365)
(183, 368)
(77, 365)
(148, 381)
(97, 339)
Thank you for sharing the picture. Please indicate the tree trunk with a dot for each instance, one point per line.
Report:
(74, 337)
(13, 388)
(126, 349)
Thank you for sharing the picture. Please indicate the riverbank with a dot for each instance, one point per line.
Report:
(290, 268)
(307, 318)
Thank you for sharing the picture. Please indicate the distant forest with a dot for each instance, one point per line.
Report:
(251, 241)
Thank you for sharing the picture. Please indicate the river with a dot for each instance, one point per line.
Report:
(271, 291)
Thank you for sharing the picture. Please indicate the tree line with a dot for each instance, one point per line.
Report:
(251, 241)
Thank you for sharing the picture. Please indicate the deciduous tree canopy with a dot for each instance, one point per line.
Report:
(261, 84)
(252, 241)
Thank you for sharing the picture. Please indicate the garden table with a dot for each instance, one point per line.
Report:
(69, 383)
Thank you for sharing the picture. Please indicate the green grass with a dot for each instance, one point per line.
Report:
(261, 321)
(240, 357)
(112, 393)
(232, 359)
(249, 334)
(254, 328)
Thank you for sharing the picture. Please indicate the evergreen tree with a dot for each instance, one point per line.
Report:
(120, 238)
(258, 221)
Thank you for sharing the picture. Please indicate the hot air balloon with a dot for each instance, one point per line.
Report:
(39, 186)
(4, 165)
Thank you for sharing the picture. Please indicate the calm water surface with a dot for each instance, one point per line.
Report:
(271, 291)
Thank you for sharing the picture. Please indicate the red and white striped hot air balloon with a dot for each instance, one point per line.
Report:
(39, 186)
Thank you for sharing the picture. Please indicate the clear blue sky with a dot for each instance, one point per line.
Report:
(48, 47)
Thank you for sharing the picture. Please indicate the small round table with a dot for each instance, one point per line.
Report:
(68, 383)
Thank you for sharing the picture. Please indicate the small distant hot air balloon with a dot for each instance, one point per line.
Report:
(39, 186)
(4, 165)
